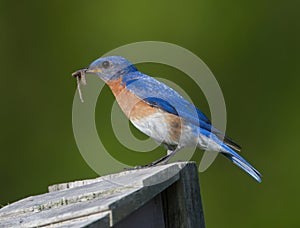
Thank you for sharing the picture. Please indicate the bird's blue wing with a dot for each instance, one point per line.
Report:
(167, 99)
(161, 104)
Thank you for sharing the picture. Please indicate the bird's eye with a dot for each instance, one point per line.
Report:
(106, 64)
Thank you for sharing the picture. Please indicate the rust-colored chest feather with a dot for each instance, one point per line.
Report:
(131, 105)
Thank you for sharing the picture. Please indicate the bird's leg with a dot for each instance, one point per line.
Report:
(157, 162)
(165, 159)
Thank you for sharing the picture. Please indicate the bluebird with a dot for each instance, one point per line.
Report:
(161, 113)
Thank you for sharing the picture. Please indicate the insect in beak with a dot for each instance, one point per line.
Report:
(80, 77)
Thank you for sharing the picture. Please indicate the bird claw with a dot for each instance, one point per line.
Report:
(141, 166)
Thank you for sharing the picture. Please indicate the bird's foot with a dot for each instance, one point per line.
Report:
(152, 164)
(162, 161)
(136, 167)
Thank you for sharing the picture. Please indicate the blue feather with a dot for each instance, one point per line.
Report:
(233, 156)
(242, 163)
(161, 104)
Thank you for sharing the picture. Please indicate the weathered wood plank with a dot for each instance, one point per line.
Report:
(112, 200)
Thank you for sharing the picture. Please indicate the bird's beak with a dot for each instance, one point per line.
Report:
(93, 71)
(82, 71)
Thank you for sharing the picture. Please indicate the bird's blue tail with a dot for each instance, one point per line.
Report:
(241, 162)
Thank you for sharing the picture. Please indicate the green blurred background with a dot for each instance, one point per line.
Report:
(252, 47)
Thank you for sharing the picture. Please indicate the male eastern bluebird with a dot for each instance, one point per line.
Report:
(161, 113)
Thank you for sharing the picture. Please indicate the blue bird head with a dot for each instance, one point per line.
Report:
(111, 67)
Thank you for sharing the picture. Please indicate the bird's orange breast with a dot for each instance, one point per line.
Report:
(131, 105)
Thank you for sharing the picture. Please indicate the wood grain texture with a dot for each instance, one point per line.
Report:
(168, 195)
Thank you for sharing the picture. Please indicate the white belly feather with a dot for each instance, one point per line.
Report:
(157, 127)
(153, 125)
